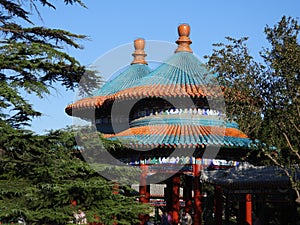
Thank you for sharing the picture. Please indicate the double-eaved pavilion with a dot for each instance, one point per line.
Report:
(173, 120)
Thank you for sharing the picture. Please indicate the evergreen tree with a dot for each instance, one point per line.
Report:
(32, 59)
(263, 96)
(41, 175)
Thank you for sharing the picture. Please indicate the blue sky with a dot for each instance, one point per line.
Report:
(110, 24)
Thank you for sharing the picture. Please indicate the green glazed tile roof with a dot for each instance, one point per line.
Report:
(125, 79)
(157, 131)
(182, 75)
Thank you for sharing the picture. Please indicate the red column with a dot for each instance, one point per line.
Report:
(197, 195)
(249, 209)
(218, 205)
(144, 196)
(175, 198)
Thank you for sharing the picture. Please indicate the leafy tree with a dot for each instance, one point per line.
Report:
(263, 96)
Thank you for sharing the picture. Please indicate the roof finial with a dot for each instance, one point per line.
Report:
(139, 53)
(184, 41)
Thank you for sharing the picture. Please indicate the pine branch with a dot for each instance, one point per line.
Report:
(15, 10)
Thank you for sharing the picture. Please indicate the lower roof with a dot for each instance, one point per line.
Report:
(182, 133)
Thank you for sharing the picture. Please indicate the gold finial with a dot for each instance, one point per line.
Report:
(139, 53)
(184, 41)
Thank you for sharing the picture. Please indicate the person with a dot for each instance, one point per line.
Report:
(186, 219)
(147, 220)
(80, 217)
(170, 220)
(183, 219)
(76, 217)
(165, 219)
(21, 220)
(189, 219)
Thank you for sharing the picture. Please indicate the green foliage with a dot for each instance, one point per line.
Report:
(41, 175)
(104, 156)
(282, 87)
(32, 59)
(239, 74)
(263, 96)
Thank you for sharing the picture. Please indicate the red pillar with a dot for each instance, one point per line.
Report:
(175, 198)
(144, 195)
(218, 205)
(197, 195)
(249, 209)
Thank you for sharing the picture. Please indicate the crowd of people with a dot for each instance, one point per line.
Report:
(166, 219)
(185, 219)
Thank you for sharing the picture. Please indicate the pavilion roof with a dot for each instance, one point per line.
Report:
(183, 75)
(247, 176)
(169, 130)
(126, 79)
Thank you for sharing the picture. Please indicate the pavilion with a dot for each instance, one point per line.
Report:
(173, 121)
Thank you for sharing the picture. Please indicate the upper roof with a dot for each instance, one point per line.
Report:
(138, 69)
(183, 75)
(126, 79)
